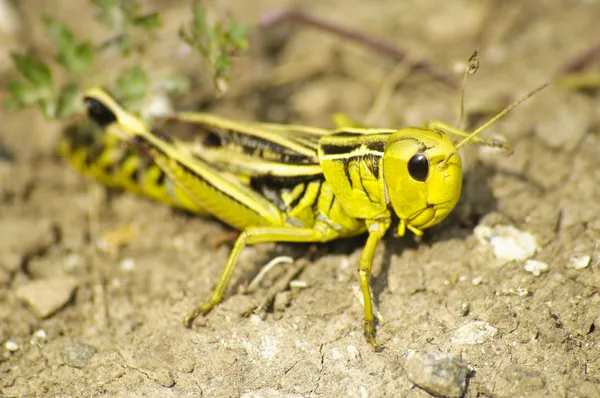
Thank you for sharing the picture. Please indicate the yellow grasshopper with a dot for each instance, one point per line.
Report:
(290, 183)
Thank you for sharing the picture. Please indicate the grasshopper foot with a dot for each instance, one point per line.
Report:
(369, 332)
(196, 312)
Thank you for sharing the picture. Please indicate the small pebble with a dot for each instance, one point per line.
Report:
(579, 262)
(295, 284)
(77, 354)
(127, 264)
(536, 267)
(39, 336)
(439, 374)
(163, 377)
(507, 242)
(476, 332)
(353, 353)
(47, 296)
(72, 262)
(11, 346)
(477, 281)
(464, 309)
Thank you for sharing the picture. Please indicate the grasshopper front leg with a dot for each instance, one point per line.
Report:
(377, 230)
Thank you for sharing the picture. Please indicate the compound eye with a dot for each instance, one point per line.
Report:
(99, 112)
(418, 167)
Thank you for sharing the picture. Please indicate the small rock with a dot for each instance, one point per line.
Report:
(579, 262)
(23, 238)
(72, 262)
(536, 267)
(507, 242)
(11, 346)
(162, 376)
(77, 354)
(476, 332)
(38, 337)
(464, 309)
(47, 296)
(127, 264)
(441, 375)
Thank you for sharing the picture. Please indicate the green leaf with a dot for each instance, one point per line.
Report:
(35, 72)
(20, 93)
(149, 21)
(222, 64)
(134, 83)
(238, 34)
(76, 58)
(111, 14)
(60, 35)
(69, 102)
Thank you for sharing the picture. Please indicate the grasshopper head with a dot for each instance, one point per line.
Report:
(108, 114)
(423, 176)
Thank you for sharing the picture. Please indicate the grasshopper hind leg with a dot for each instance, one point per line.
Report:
(253, 236)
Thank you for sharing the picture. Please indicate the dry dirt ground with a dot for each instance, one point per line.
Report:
(517, 333)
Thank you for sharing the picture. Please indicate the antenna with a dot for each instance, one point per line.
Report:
(501, 114)
(471, 69)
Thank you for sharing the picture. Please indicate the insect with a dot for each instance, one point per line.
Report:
(288, 183)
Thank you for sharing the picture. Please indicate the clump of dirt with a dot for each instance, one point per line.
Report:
(109, 323)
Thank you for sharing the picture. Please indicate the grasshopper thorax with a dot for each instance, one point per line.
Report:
(423, 176)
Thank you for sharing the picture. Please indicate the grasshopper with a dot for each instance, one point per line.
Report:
(289, 183)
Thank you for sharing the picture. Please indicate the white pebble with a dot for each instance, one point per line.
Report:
(507, 242)
(476, 332)
(39, 336)
(72, 262)
(536, 267)
(11, 346)
(127, 264)
(579, 262)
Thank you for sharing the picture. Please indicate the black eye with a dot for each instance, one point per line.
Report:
(418, 167)
(99, 112)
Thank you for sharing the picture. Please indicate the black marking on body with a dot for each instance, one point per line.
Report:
(161, 179)
(271, 187)
(365, 191)
(340, 148)
(269, 181)
(135, 175)
(255, 146)
(266, 149)
(81, 137)
(349, 134)
(99, 112)
(297, 199)
(93, 153)
(372, 162)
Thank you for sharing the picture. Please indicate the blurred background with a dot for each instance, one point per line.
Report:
(94, 284)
